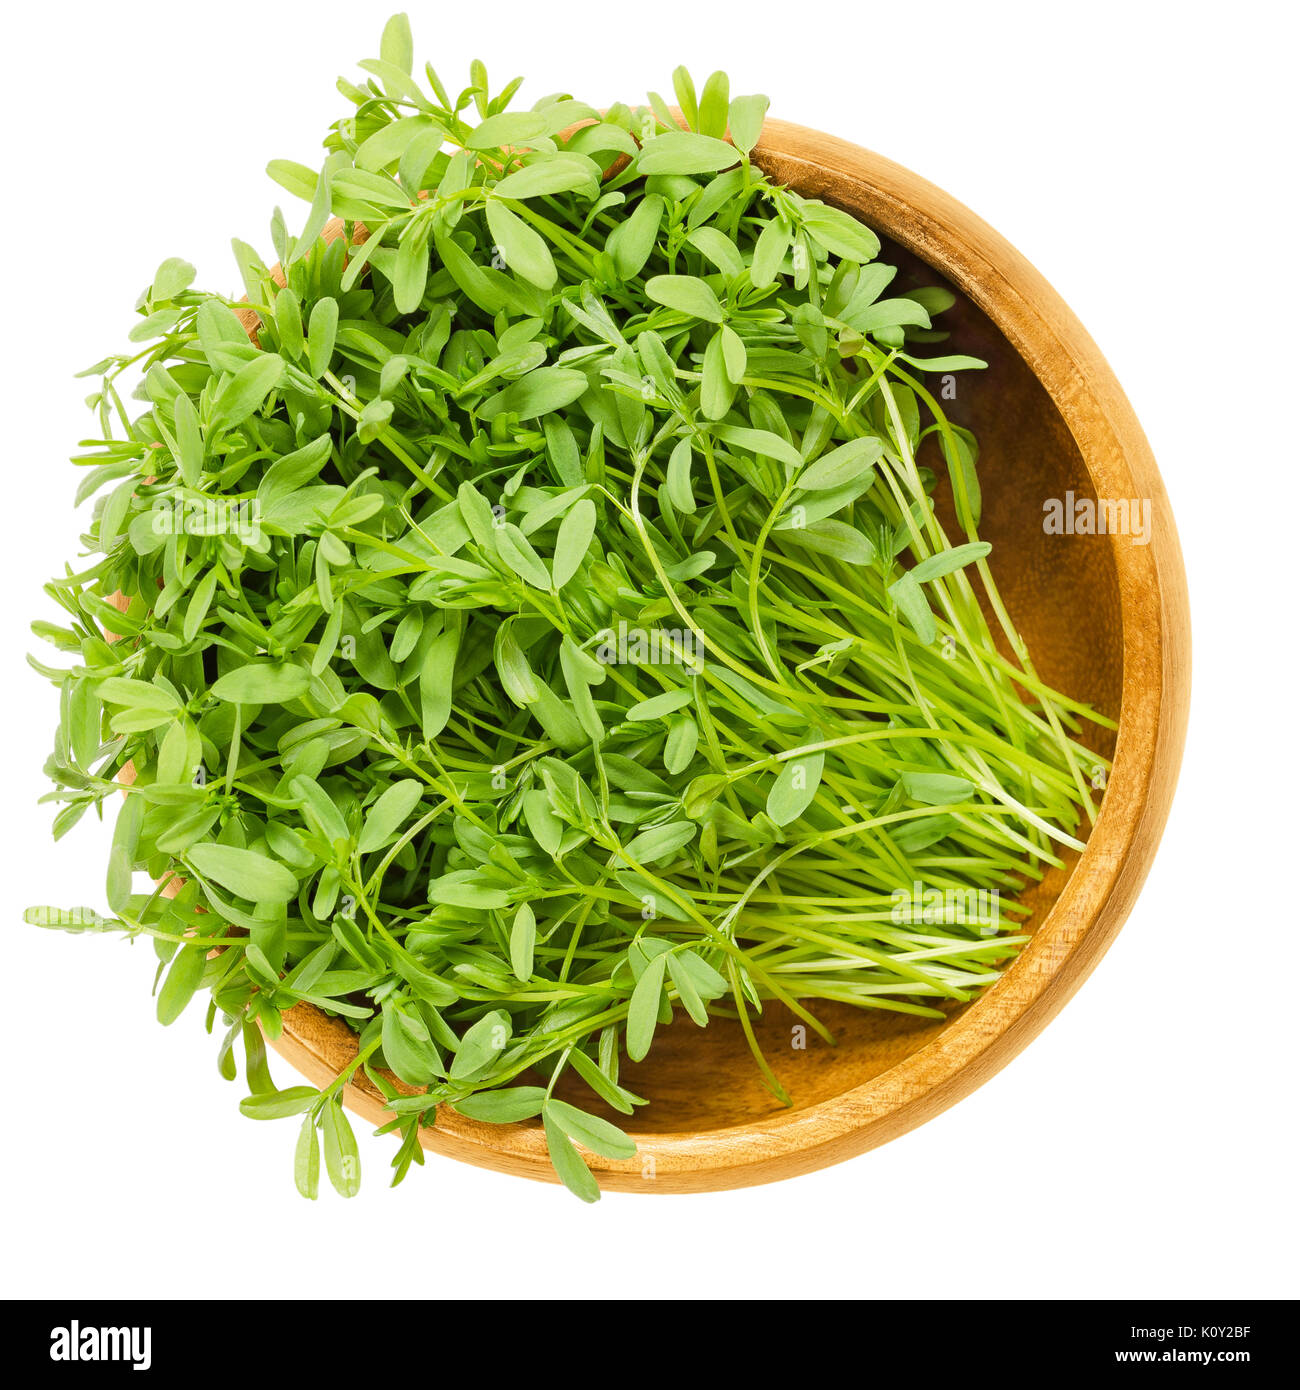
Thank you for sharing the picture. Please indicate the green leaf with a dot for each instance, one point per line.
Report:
(322, 330)
(436, 677)
(576, 667)
(795, 787)
(769, 251)
(543, 824)
(396, 47)
(389, 813)
(734, 355)
(458, 889)
(244, 871)
(660, 842)
(714, 100)
(547, 177)
(482, 1044)
(172, 277)
(373, 420)
(914, 606)
(746, 121)
(522, 248)
(181, 983)
(246, 390)
(886, 313)
(687, 991)
(718, 248)
(189, 440)
(410, 272)
(717, 390)
(709, 984)
(509, 128)
(137, 694)
(469, 277)
(633, 240)
(680, 745)
(937, 788)
(834, 538)
(684, 89)
(678, 477)
(262, 683)
(517, 678)
(948, 561)
(342, 1157)
(288, 324)
(572, 541)
(178, 754)
(540, 392)
(85, 718)
(321, 810)
(390, 143)
(657, 706)
(960, 452)
(306, 1160)
(570, 1168)
(279, 1105)
(688, 294)
(685, 152)
(764, 443)
(368, 190)
(839, 233)
(289, 472)
(517, 552)
(643, 1010)
(590, 1131)
(408, 1048)
(956, 362)
(609, 1091)
(121, 859)
(523, 940)
(296, 178)
(504, 1107)
(842, 466)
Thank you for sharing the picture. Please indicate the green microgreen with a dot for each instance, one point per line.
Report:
(527, 618)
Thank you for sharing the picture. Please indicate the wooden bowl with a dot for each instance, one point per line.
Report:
(1106, 620)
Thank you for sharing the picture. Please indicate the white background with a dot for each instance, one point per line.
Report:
(1140, 156)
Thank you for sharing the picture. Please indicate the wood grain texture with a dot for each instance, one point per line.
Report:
(1106, 620)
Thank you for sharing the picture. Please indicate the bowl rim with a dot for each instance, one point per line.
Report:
(1101, 888)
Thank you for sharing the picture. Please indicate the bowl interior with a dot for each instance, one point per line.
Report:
(1063, 594)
